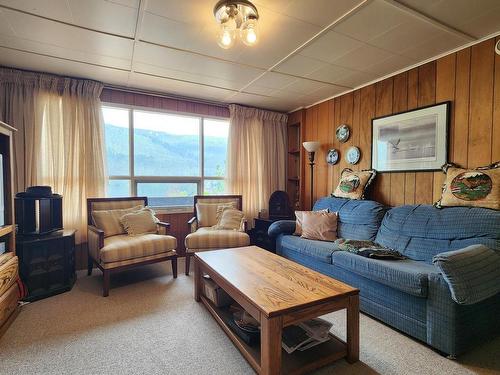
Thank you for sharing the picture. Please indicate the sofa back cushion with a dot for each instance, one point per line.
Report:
(422, 231)
(357, 219)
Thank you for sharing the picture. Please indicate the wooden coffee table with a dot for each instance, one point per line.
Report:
(278, 292)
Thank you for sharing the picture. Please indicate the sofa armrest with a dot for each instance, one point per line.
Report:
(281, 227)
(472, 273)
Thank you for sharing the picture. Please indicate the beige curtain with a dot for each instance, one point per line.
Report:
(60, 138)
(256, 156)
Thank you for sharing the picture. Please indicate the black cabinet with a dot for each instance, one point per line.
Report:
(47, 263)
(258, 235)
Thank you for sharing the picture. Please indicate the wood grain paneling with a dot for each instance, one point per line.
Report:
(469, 78)
(163, 103)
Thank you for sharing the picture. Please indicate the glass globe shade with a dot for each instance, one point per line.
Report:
(249, 32)
(225, 37)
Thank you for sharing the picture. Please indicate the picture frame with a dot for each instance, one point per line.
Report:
(415, 140)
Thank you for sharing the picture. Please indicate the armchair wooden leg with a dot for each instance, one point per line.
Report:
(188, 258)
(90, 265)
(174, 267)
(105, 283)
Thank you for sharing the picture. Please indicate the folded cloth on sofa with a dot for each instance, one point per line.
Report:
(472, 273)
(368, 249)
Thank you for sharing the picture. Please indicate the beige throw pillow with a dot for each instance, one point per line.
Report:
(230, 219)
(207, 213)
(140, 222)
(109, 220)
(298, 221)
(320, 226)
(478, 187)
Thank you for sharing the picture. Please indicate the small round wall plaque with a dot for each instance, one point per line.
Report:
(353, 154)
(332, 157)
(342, 133)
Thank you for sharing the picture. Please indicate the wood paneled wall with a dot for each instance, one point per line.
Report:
(470, 79)
(167, 104)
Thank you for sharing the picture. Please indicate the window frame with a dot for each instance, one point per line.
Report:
(134, 180)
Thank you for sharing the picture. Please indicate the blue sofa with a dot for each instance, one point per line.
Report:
(410, 295)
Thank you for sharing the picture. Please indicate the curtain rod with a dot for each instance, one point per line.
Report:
(166, 96)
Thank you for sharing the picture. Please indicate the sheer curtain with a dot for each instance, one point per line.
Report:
(60, 137)
(256, 156)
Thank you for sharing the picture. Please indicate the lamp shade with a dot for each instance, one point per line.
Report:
(311, 146)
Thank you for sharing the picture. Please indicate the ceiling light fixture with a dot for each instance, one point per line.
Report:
(236, 17)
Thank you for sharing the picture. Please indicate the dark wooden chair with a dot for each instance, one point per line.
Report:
(202, 237)
(122, 252)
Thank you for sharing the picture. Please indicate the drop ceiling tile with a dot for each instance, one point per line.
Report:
(404, 35)
(63, 53)
(390, 65)
(192, 11)
(274, 80)
(341, 76)
(104, 15)
(441, 43)
(57, 9)
(319, 12)
(108, 16)
(24, 60)
(330, 46)
(299, 65)
(171, 59)
(478, 18)
(304, 86)
(258, 89)
(323, 93)
(279, 36)
(170, 86)
(187, 76)
(273, 104)
(362, 58)
(373, 19)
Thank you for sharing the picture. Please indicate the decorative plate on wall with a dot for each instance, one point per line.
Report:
(342, 133)
(353, 154)
(332, 157)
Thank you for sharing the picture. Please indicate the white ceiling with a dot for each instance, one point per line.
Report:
(309, 50)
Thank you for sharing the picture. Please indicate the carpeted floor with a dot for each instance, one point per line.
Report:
(150, 324)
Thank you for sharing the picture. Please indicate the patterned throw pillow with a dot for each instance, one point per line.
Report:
(109, 220)
(230, 219)
(208, 213)
(319, 225)
(140, 222)
(353, 184)
(479, 187)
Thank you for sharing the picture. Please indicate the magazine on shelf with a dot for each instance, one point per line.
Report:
(305, 335)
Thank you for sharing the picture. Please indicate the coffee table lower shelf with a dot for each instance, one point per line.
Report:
(296, 363)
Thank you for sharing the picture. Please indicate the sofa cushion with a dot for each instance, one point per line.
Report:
(357, 219)
(319, 250)
(421, 231)
(124, 247)
(405, 275)
(209, 238)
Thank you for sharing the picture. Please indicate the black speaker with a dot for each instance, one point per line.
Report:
(37, 215)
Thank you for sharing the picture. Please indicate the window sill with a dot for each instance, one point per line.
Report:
(173, 210)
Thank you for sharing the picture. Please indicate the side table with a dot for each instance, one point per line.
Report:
(47, 263)
(258, 235)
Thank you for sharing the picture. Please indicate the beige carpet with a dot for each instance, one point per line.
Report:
(150, 324)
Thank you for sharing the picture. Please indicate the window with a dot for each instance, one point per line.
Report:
(167, 157)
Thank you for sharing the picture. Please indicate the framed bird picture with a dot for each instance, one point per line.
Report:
(415, 140)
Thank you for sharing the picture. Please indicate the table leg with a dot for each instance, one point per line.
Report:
(197, 279)
(270, 345)
(353, 329)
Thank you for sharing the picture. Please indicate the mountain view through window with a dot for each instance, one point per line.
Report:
(159, 155)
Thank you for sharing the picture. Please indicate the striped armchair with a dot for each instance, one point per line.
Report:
(202, 236)
(112, 250)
